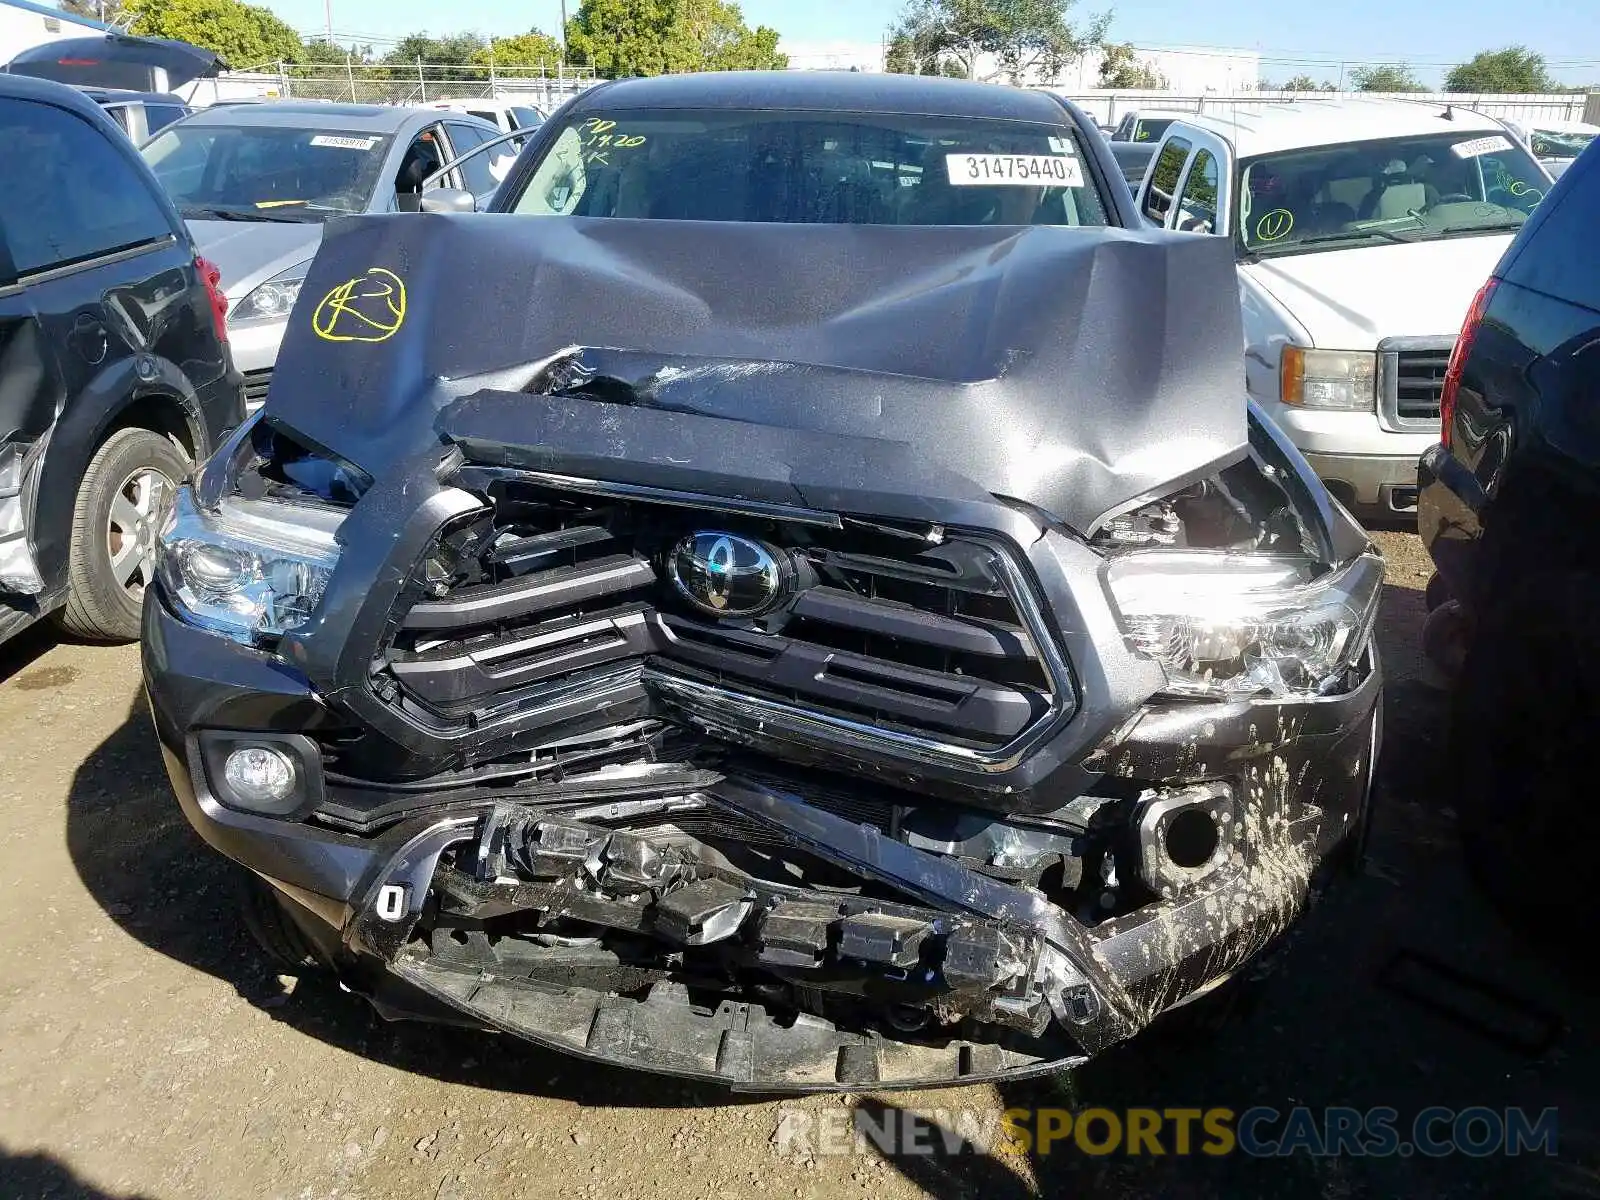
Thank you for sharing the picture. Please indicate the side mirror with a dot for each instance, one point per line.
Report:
(448, 200)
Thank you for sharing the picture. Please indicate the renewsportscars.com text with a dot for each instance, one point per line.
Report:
(1260, 1132)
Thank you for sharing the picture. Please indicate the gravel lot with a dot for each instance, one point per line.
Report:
(145, 1051)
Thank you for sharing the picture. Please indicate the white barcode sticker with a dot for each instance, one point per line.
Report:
(1477, 146)
(1013, 170)
(338, 141)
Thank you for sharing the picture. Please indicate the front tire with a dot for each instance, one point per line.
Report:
(124, 499)
(274, 930)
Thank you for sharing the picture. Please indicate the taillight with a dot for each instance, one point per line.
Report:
(219, 303)
(1458, 357)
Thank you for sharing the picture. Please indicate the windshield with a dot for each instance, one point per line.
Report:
(825, 168)
(266, 173)
(1396, 190)
(1549, 143)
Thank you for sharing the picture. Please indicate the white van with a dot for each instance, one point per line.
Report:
(1363, 229)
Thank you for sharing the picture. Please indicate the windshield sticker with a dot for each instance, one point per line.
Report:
(369, 308)
(1477, 146)
(1275, 225)
(1013, 170)
(337, 141)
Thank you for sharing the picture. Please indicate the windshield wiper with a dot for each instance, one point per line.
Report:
(1354, 235)
(207, 213)
(1482, 227)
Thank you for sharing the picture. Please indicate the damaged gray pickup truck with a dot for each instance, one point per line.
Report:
(803, 603)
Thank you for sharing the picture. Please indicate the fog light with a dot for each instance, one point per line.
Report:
(260, 777)
(1186, 837)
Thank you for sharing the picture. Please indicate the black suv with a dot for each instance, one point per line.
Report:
(1507, 512)
(114, 368)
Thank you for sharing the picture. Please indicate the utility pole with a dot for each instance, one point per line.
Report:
(563, 30)
(327, 14)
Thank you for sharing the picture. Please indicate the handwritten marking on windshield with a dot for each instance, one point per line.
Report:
(369, 308)
(1274, 225)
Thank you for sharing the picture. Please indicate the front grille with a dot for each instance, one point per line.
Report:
(1419, 382)
(892, 631)
(1411, 372)
(256, 384)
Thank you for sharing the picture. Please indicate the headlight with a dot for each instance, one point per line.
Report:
(1345, 380)
(1230, 626)
(253, 569)
(274, 298)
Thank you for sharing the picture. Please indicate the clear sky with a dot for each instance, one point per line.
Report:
(1301, 36)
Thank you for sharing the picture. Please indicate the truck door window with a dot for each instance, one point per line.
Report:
(1164, 179)
(1197, 206)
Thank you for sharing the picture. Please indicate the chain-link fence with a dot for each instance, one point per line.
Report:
(543, 84)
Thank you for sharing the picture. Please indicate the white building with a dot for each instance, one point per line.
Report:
(832, 55)
(1190, 70)
(24, 25)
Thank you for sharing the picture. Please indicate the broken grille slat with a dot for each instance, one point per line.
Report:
(529, 595)
(921, 635)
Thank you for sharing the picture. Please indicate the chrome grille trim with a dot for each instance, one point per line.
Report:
(1410, 381)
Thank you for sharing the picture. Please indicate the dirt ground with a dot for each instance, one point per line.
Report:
(146, 1052)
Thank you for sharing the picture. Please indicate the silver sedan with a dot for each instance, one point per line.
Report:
(256, 182)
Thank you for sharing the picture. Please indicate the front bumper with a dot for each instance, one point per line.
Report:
(1368, 467)
(901, 957)
(255, 346)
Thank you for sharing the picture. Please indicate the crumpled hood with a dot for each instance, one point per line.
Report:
(1352, 299)
(248, 253)
(1074, 369)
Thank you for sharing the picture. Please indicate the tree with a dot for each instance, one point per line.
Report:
(728, 44)
(1298, 83)
(320, 52)
(909, 55)
(655, 37)
(525, 50)
(439, 53)
(1513, 69)
(1122, 68)
(244, 35)
(1391, 77)
(1026, 38)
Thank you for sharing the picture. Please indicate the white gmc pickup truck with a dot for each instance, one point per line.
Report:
(1362, 229)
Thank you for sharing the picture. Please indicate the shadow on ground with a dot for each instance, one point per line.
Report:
(1327, 1028)
(1322, 1029)
(19, 653)
(41, 1177)
(153, 875)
